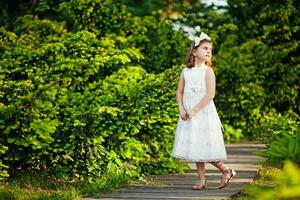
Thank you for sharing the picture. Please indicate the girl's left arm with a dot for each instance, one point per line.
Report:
(211, 89)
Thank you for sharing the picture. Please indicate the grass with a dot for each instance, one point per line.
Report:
(40, 187)
(262, 180)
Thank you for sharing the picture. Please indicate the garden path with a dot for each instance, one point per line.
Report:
(241, 157)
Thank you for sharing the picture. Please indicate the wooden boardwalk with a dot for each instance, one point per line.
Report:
(241, 157)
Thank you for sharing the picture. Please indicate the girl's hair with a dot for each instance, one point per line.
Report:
(190, 58)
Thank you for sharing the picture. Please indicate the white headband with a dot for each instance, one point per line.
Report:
(203, 36)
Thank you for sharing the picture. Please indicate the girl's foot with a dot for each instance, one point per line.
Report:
(200, 185)
(227, 176)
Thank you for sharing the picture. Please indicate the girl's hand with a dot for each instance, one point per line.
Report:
(192, 113)
(184, 115)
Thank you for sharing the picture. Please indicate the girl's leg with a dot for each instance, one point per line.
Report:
(201, 184)
(228, 173)
(201, 170)
(220, 165)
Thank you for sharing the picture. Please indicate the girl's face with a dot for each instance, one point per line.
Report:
(203, 52)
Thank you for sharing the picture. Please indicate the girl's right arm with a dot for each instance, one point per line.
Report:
(179, 94)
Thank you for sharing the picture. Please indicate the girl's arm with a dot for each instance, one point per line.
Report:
(179, 94)
(211, 89)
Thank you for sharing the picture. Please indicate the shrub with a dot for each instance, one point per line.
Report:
(282, 136)
(285, 184)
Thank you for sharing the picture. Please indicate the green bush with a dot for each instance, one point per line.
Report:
(285, 185)
(72, 103)
(282, 136)
(74, 106)
(43, 86)
(252, 81)
(3, 167)
(161, 46)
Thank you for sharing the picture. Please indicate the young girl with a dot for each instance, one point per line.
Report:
(199, 135)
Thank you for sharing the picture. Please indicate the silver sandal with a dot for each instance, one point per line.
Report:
(227, 176)
(200, 185)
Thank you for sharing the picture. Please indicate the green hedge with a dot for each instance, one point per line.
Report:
(74, 106)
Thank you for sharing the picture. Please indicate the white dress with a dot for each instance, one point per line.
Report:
(200, 138)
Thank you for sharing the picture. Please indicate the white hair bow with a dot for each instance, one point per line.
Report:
(203, 36)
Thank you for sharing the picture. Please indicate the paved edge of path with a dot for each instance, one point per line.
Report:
(241, 157)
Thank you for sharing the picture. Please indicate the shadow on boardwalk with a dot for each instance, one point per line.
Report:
(241, 157)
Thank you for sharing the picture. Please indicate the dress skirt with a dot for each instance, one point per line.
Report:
(199, 139)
